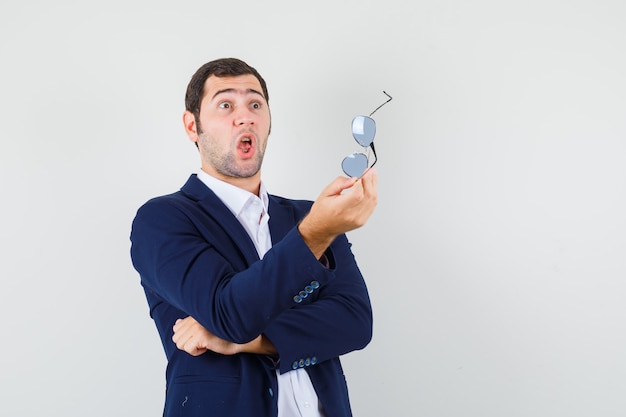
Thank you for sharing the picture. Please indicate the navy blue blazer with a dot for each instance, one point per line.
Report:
(194, 258)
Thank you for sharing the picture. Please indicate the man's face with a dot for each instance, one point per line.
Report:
(233, 127)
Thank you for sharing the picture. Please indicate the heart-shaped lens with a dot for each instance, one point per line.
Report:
(363, 130)
(354, 165)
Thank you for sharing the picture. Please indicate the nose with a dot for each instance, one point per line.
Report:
(244, 117)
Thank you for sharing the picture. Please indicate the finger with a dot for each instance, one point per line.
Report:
(197, 352)
(180, 340)
(177, 325)
(189, 346)
(370, 177)
(181, 334)
(338, 185)
(184, 323)
(193, 345)
(370, 185)
(374, 176)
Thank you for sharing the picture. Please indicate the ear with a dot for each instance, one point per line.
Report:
(189, 121)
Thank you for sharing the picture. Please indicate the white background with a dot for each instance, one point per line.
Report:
(495, 259)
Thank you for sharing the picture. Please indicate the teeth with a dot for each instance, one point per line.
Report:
(246, 144)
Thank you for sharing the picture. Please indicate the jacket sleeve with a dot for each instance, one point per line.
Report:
(335, 321)
(191, 270)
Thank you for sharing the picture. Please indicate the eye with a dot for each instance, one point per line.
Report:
(224, 105)
(255, 105)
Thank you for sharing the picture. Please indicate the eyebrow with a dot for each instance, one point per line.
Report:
(234, 90)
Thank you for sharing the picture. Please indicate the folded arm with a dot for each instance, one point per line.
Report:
(337, 321)
(193, 338)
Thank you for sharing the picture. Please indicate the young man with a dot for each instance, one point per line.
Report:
(254, 296)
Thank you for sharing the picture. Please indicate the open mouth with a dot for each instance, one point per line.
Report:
(245, 145)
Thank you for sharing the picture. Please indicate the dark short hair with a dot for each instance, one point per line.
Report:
(223, 67)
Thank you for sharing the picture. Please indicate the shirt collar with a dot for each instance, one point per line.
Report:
(233, 197)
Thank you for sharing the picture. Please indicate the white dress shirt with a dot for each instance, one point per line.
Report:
(296, 395)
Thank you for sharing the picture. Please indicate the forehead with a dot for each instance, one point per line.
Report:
(240, 85)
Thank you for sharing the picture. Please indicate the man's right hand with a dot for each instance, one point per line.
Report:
(193, 338)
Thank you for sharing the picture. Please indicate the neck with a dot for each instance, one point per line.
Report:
(251, 184)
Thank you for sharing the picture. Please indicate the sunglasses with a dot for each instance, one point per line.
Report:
(363, 131)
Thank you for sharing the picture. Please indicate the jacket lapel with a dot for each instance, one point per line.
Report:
(222, 216)
(282, 219)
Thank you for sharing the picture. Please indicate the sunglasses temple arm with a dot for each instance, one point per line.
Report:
(374, 152)
(376, 109)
